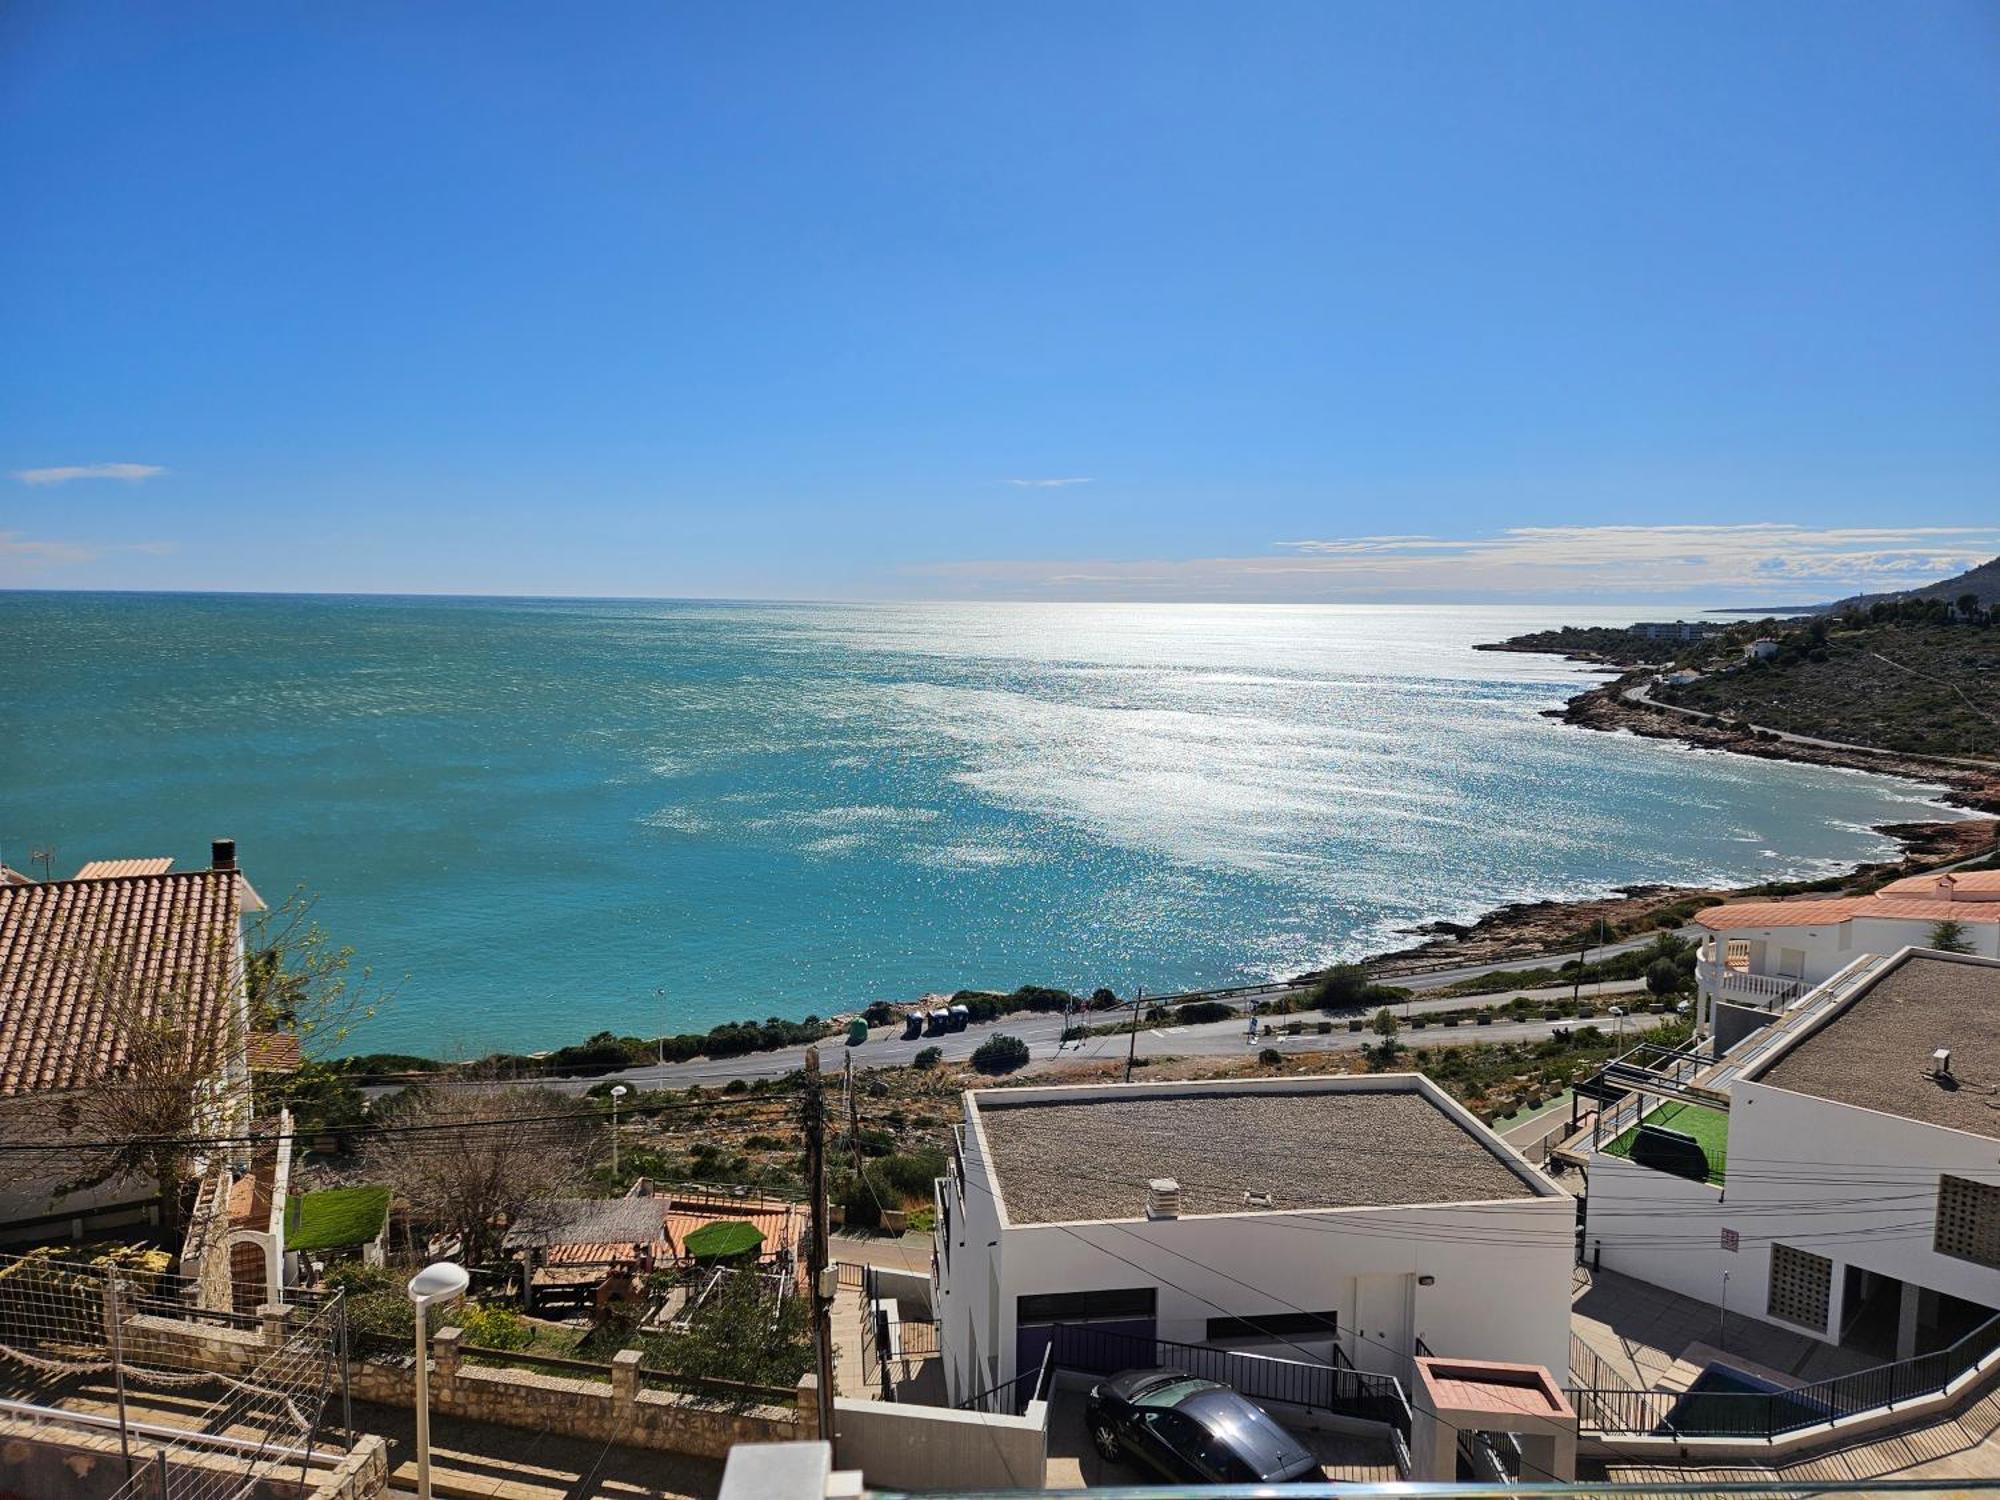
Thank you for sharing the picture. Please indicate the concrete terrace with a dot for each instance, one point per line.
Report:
(1074, 1155)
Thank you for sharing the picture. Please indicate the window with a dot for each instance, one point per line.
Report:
(1800, 1285)
(1087, 1307)
(1274, 1327)
(1968, 1220)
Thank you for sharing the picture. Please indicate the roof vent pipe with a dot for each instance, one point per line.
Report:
(1163, 1198)
(1941, 1063)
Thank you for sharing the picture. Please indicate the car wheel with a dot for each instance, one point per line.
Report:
(1105, 1439)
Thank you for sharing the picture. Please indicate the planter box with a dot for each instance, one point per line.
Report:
(1485, 1020)
(1355, 1024)
(1324, 1027)
(895, 1220)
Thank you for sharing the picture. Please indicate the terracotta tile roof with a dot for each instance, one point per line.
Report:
(176, 933)
(274, 1052)
(1965, 884)
(1740, 914)
(111, 869)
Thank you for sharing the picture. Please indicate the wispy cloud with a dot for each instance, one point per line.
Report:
(1756, 562)
(1046, 484)
(24, 556)
(64, 473)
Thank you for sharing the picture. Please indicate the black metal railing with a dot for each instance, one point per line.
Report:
(1014, 1395)
(1771, 1414)
(1335, 1386)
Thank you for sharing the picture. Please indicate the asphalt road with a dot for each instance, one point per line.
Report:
(887, 1048)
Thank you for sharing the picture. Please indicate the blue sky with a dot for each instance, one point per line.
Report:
(1323, 300)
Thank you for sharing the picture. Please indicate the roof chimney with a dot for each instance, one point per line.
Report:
(1163, 1198)
(222, 854)
(1948, 887)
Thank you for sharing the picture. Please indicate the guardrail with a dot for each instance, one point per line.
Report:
(1621, 1410)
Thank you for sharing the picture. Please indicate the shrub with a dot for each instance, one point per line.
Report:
(1201, 1012)
(1001, 1054)
(495, 1327)
(929, 1057)
(1270, 1057)
(1663, 976)
(1342, 987)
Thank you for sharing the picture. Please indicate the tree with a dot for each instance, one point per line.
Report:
(1948, 936)
(468, 1162)
(1663, 976)
(738, 1332)
(1386, 1025)
(1341, 987)
(1001, 1054)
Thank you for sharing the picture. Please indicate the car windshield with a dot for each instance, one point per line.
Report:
(1247, 1430)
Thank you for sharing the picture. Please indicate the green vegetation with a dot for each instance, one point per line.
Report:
(336, 1218)
(1949, 936)
(1906, 677)
(1000, 1054)
(928, 1057)
(1709, 1127)
(1606, 643)
(741, 1333)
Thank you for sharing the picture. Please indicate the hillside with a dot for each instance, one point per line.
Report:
(1924, 688)
(1983, 580)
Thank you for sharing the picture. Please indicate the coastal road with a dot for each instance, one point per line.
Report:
(1642, 695)
(887, 1048)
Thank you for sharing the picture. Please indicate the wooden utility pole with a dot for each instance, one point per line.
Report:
(1132, 1050)
(815, 1130)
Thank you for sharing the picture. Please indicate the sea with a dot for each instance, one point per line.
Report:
(535, 819)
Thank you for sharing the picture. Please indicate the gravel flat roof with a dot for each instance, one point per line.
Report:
(1090, 1157)
(1877, 1053)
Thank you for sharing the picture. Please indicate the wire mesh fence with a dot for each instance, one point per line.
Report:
(206, 1401)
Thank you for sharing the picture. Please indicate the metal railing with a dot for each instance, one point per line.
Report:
(1615, 1410)
(1335, 1386)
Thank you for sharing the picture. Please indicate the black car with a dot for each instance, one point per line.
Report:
(1190, 1429)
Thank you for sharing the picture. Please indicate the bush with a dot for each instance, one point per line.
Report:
(495, 1327)
(929, 1057)
(1663, 976)
(1342, 987)
(1201, 1012)
(1001, 1054)
(1270, 1057)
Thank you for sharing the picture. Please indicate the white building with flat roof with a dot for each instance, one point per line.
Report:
(1285, 1216)
(1858, 1198)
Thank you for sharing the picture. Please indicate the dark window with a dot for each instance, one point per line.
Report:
(1086, 1307)
(1310, 1325)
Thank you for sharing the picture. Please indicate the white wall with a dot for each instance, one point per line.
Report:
(1657, 1227)
(1880, 1209)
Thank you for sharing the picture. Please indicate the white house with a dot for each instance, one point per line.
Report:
(1761, 649)
(1762, 954)
(1281, 1216)
(1859, 1198)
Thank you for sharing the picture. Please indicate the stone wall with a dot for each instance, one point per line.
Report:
(60, 1463)
(617, 1411)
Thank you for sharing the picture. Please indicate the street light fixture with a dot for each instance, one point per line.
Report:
(618, 1091)
(442, 1283)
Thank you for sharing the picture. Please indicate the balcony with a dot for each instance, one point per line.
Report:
(1738, 986)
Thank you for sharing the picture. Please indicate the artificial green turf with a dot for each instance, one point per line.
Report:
(1708, 1126)
(720, 1241)
(335, 1218)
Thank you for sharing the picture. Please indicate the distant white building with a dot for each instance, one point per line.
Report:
(1761, 649)
(1672, 630)
(1858, 1200)
(1285, 1216)
(1762, 954)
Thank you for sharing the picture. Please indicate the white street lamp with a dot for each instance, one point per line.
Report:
(443, 1283)
(618, 1091)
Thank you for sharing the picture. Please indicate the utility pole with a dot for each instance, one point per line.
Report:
(815, 1130)
(1132, 1050)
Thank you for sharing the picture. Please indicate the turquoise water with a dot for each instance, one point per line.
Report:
(544, 818)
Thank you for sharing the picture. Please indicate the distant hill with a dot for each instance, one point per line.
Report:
(1983, 580)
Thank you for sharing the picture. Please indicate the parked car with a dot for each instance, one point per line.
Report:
(1189, 1429)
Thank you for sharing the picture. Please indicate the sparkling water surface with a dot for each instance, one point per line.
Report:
(545, 818)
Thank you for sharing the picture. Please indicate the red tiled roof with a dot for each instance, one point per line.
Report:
(274, 1052)
(111, 869)
(1830, 913)
(176, 935)
(1975, 884)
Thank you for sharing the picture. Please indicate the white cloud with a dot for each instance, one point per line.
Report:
(31, 553)
(1757, 562)
(1046, 484)
(63, 474)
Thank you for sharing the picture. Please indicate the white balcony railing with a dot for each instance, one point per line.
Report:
(1724, 983)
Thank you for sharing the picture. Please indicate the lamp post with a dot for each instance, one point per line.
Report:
(618, 1091)
(442, 1283)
